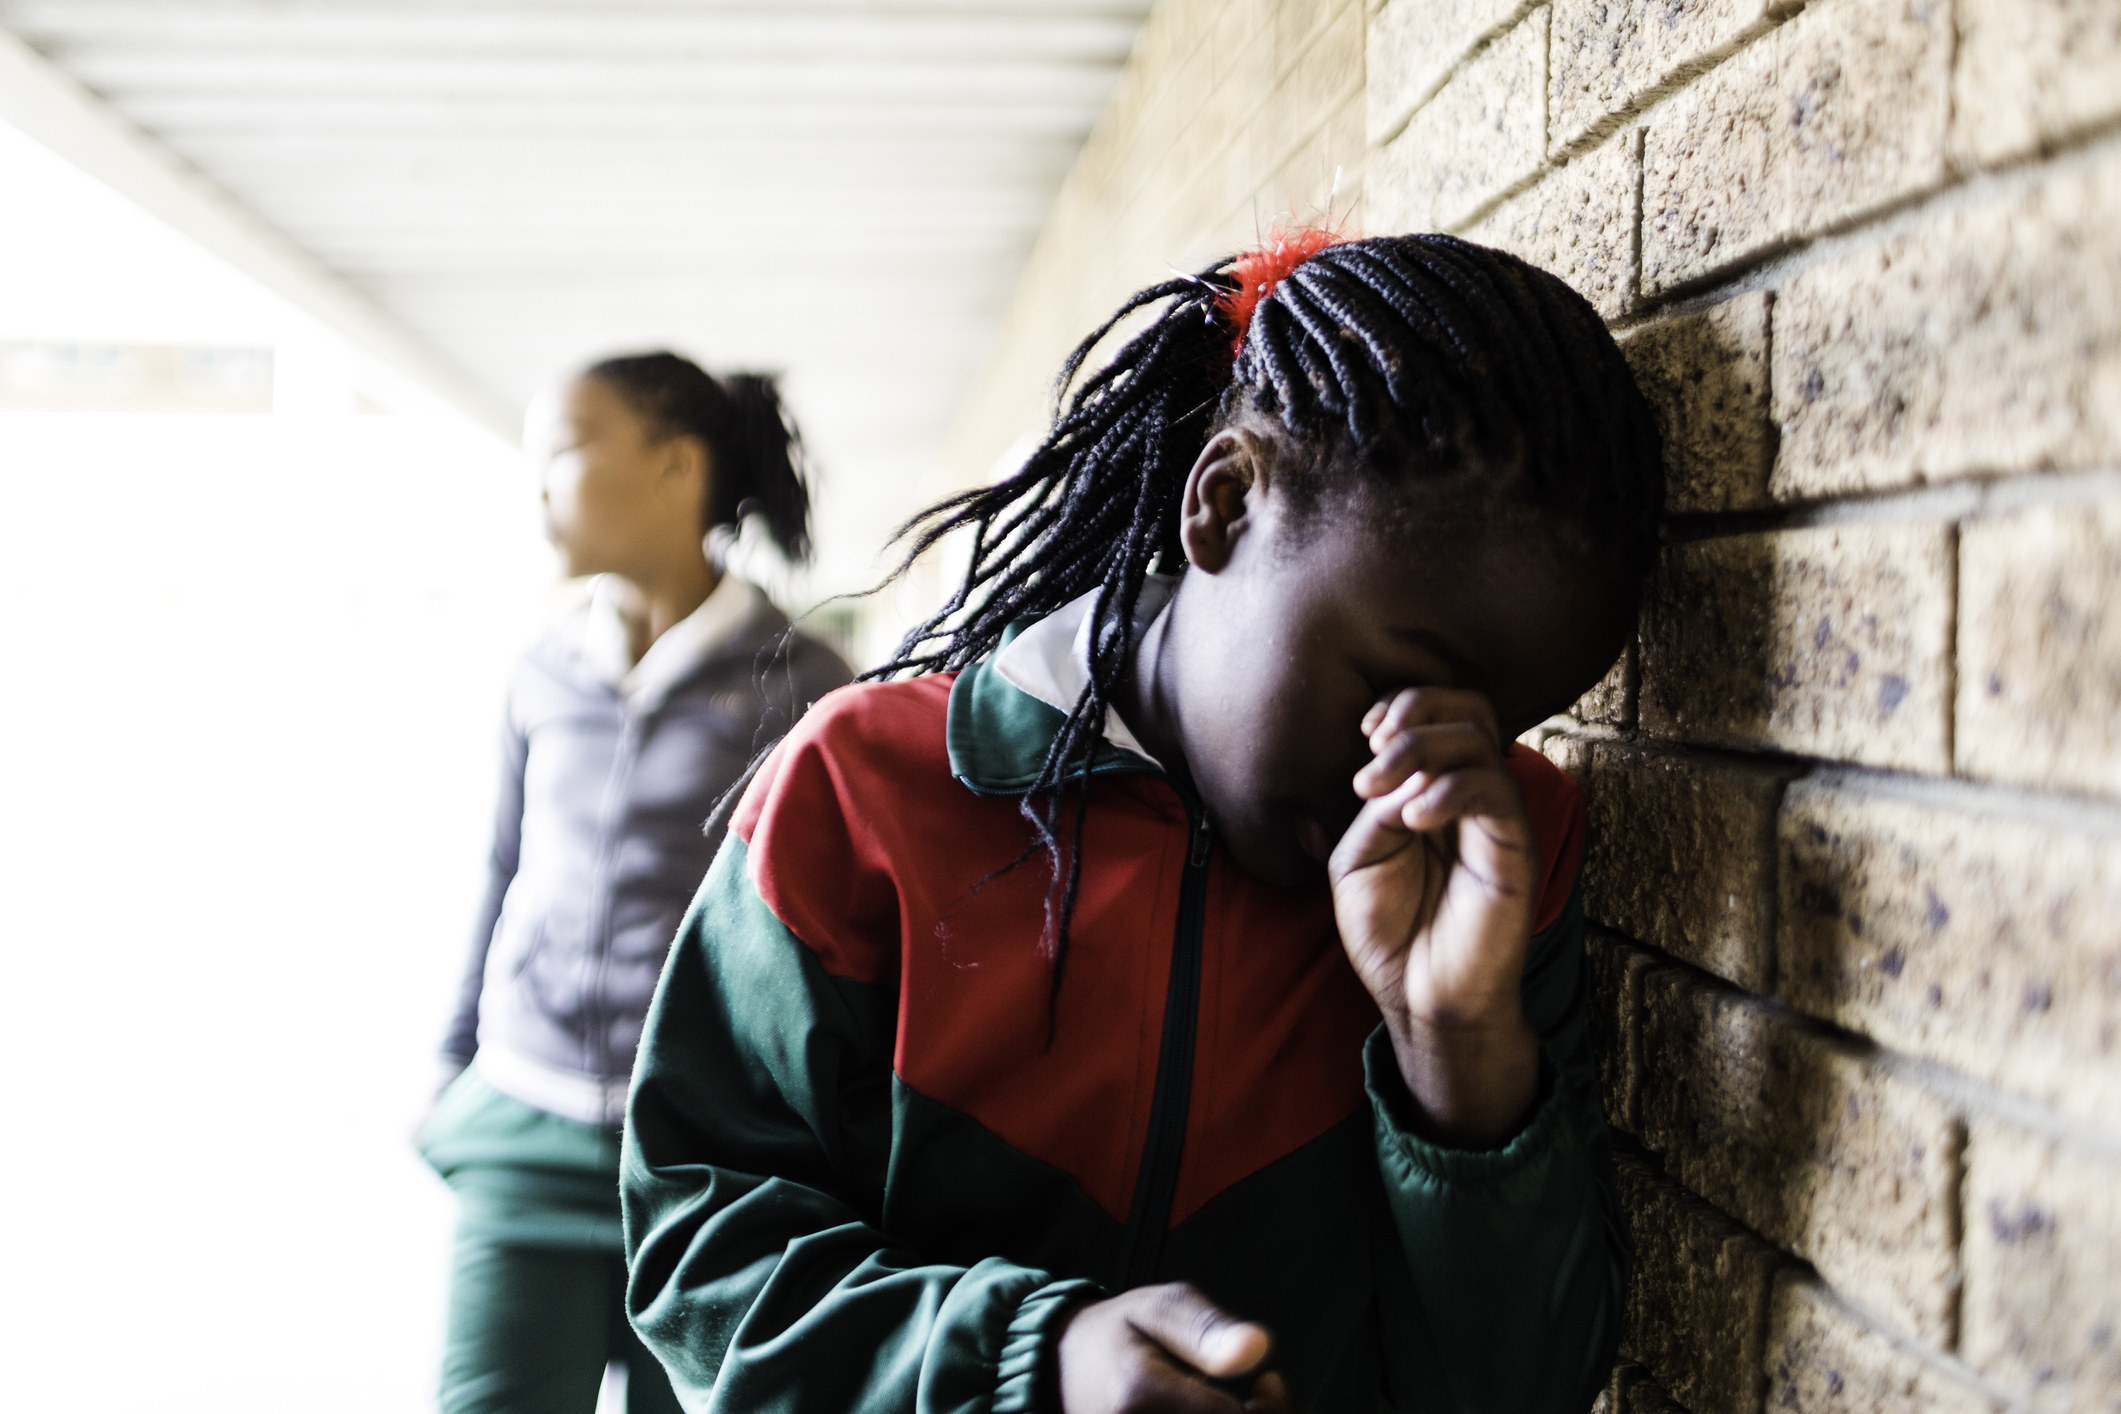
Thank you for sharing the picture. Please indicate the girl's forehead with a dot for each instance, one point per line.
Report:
(589, 396)
(1471, 581)
(595, 405)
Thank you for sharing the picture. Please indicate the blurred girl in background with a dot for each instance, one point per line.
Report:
(625, 724)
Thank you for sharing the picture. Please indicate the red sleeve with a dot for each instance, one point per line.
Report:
(1555, 804)
(811, 819)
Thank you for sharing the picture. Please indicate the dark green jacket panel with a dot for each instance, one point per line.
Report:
(1515, 1259)
(758, 1138)
(959, 1193)
(1295, 1247)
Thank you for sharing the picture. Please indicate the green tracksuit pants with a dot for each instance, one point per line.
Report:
(531, 1329)
(537, 1286)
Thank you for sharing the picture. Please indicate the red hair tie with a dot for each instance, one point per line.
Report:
(1259, 271)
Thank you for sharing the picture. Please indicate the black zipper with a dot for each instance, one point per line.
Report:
(1150, 1213)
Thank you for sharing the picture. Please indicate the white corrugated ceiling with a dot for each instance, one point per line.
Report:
(842, 190)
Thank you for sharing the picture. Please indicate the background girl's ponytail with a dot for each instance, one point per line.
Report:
(759, 466)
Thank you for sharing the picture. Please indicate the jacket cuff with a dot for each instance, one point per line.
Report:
(1410, 1160)
(1024, 1372)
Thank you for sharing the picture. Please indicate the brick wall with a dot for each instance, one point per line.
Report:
(1229, 114)
(1857, 861)
(1856, 786)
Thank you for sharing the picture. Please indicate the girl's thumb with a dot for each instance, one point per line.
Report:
(1200, 1333)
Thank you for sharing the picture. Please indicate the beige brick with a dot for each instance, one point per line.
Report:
(1415, 44)
(1812, 1144)
(2043, 1245)
(1984, 340)
(1696, 1309)
(1835, 114)
(1829, 642)
(1323, 178)
(1579, 222)
(1706, 376)
(1324, 78)
(1482, 133)
(1611, 700)
(1298, 23)
(1233, 40)
(1681, 851)
(1609, 55)
(2030, 72)
(1982, 941)
(1570, 753)
(1646, 1396)
(2040, 648)
(1614, 976)
(1823, 1358)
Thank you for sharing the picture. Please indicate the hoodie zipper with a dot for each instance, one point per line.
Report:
(613, 813)
(1141, 1247)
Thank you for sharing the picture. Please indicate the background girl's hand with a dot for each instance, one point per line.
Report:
(1165, 1350)
(1433, 888)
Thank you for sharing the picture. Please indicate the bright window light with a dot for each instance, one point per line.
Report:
(257, 607)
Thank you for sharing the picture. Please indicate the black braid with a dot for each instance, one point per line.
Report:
(759, 466)
(1422, 357)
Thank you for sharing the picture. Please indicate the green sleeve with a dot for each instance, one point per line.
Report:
(757, 1139)
(1515, 1259)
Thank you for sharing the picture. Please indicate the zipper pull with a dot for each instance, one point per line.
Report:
(1198, 855)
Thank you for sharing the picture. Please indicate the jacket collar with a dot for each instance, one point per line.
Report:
(1005, 710)
(735, 620)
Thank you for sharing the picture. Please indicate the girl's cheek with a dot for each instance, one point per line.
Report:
(563, 486)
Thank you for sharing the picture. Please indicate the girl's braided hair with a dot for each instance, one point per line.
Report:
(1396, 360)
(759, 467)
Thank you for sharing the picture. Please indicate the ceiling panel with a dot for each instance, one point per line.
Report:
(840, 190)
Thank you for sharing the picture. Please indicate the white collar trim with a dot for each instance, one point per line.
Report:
(1050, 660)
(606, 645)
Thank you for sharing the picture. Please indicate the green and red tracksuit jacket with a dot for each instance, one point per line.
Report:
(858, 1176)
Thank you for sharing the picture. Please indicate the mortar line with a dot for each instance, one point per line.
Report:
(1984, 494)
(1774, 266)
(1964, 1094)
(1642, 216)
(2085, 814)
(1948, 1362)
(1984, 1099)
(1953, 608)
(1542, 167)
(1955, 1223)
(2089, 815)
(1477, 46)
(1951, 82)
(1676, 82)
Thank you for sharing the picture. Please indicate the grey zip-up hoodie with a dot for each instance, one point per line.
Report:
(609, 776)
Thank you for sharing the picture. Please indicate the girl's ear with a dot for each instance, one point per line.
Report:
(686, 464)
(1218, 502)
